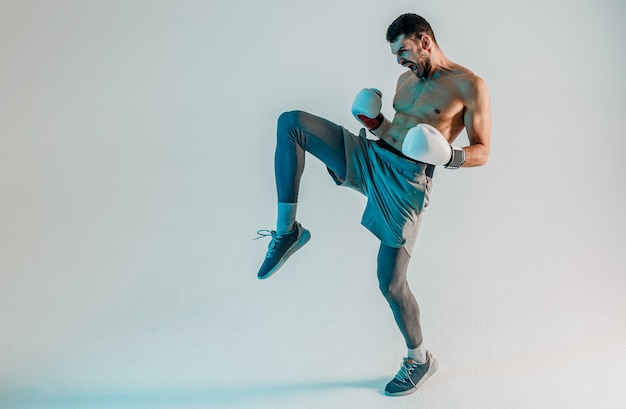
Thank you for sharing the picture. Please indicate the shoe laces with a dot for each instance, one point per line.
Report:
(405, 370)
(269, 233)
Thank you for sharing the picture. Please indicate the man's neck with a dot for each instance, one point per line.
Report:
(440, 63)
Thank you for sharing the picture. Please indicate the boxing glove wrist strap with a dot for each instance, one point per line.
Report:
(371, 123)
(457, 159)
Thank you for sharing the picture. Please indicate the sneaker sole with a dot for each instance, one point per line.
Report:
(304, 239)
(433, 368)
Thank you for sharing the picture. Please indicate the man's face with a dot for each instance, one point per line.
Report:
(411, 54)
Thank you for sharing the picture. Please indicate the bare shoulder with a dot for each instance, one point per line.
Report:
(403, 78)
(469, 84)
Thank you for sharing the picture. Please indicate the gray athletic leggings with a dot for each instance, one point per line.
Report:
(299, 132)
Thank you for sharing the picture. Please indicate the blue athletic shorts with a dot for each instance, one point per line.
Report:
(397, 189)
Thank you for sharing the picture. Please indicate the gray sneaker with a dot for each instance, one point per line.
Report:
(411, 376)
(281, 248)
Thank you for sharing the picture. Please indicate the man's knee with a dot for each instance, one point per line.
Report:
(393, 290)
(392, 265)
(288, 121)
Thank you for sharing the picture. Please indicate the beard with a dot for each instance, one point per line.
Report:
(423, 68)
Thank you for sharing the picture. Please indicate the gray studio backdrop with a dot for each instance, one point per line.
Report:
(136, 164)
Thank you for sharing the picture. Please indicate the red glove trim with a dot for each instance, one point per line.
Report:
(371, 123)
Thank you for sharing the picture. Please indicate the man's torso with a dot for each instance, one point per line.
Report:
(439, 101)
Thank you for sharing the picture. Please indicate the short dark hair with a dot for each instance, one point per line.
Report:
(409, 24)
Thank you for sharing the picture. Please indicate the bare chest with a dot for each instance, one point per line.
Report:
(428, 101)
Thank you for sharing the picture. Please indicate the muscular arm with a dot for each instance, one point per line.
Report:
(477, 120)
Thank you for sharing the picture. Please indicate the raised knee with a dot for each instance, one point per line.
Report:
(289, 120)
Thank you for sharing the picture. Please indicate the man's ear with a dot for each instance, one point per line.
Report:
(426, 42)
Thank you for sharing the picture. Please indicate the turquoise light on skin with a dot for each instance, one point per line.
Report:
(136, 168)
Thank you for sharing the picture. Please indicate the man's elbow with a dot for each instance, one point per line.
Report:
(482, 159)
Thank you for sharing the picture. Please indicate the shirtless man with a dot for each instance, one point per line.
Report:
(435, 99)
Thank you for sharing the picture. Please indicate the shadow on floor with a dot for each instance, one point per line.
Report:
(218, 395)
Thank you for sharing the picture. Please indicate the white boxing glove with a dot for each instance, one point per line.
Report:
(366, 108)
(426, 144)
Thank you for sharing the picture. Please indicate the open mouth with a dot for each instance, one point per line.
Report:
(413, 68)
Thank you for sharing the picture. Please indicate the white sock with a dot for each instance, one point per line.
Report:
(286, 217)
(418, 354)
